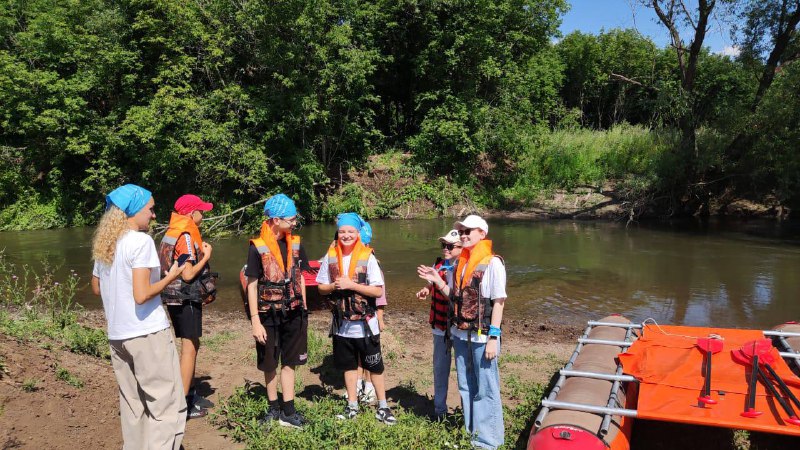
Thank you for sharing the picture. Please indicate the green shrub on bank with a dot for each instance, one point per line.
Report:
(398, 186)
(35, 307)
(88, 341)
(567, 159)
(32, 212)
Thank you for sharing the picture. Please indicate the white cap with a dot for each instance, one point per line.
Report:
(450, 238)
(472, 221)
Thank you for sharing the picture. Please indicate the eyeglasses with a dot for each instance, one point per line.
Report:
(449, 247)
(464, 231)
(292, 221)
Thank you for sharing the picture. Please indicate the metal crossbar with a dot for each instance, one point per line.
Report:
(605, 342)
(636, 326)
(596, 376)
(781, 333)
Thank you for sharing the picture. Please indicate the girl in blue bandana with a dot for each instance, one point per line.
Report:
(127, 276)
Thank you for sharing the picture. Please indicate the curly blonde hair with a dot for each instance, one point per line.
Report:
(112, 226)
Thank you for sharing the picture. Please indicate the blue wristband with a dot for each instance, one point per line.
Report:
(494, 331)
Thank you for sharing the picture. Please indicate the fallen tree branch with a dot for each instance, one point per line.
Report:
(632, 81)
(216, 221)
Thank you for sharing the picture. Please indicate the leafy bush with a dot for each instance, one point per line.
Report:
(85, 340)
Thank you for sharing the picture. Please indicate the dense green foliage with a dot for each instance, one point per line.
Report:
(236, 100)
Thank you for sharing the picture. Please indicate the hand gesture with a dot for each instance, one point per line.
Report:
(259, 333)
(430, 275)
(344, 283)
(423, 293)
(175, 270)
(206, 248)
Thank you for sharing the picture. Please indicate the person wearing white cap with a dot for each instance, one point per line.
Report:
(478, 294)
(440, 273)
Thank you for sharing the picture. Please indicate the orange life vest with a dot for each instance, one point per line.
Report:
(279, 285)
(472, 311)
(348, 304)
(203, 288)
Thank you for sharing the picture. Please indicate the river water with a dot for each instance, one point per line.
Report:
(735, 274)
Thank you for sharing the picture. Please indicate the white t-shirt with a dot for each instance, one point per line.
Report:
(125, 318)
(449, 280)
(493, 285)
(354, 328)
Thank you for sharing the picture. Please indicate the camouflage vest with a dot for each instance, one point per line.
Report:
(473, 312)
(351, 305)
(201, 289)
(276, 289)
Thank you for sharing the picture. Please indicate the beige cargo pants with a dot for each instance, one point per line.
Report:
(151, 402)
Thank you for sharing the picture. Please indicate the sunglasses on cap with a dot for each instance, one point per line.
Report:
(449, 247)
(464, 231)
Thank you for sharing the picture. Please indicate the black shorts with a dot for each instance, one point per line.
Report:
(286, 338)
(348, 352)
(187, 319)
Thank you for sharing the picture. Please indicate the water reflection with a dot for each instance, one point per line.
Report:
(724, 274)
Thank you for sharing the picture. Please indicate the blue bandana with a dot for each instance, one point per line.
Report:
(280, 206)
(352, 219)
(366, 234)
(129, 198)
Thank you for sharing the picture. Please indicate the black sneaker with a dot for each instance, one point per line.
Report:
(195, 412)
(201, 401)
(296, 420)
(385, 415)
(270, 415)
(349, 413)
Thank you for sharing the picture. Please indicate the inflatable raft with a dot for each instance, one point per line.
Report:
(588, 407)
(621, 371)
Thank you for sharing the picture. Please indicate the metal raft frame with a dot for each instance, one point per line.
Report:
(609, 410)
(788, 353)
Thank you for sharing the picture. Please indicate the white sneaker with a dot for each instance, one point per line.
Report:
(367, 395)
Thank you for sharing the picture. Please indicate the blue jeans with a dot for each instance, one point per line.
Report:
(441, 374)
(480, 394)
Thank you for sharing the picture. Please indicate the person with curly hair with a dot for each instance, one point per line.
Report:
(127, 277)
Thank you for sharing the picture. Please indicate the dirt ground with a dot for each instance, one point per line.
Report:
(52, 414)
(39, 410)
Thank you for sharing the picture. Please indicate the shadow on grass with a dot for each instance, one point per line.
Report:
(411, 400)
(202, 386)
(521, 442)
(328, 374)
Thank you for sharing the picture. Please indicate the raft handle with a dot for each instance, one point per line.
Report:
(790, 355)
(781, 333)
(596, 376)
(595, 323)
(590, 408)
(605, 342)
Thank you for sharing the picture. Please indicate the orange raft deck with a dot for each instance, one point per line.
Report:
(670, 370)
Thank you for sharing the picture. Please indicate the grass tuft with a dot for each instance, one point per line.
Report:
(64, 375)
